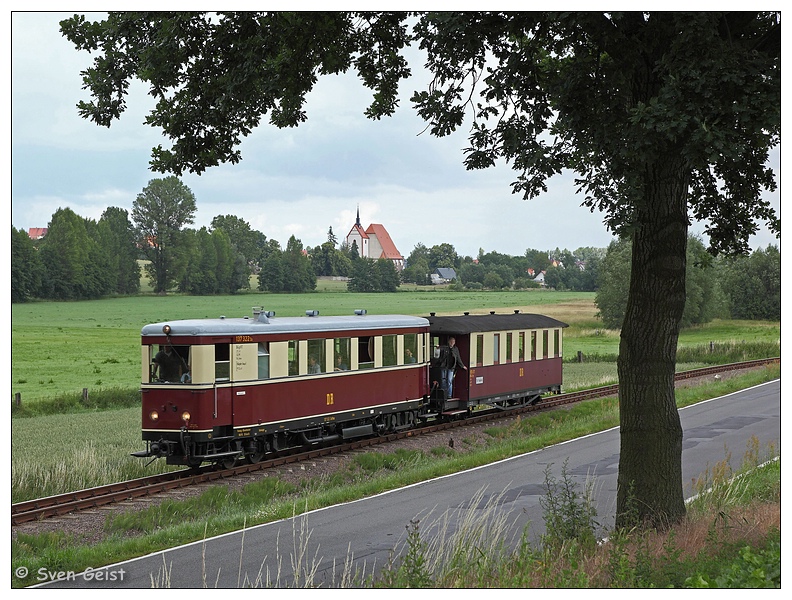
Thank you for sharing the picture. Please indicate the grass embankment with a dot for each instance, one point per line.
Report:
(220, 510)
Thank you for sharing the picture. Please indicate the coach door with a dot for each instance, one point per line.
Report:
(462, 377)
(222, 409)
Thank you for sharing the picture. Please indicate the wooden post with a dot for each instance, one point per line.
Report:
(580, 356)
(85, 395)
(18, 399)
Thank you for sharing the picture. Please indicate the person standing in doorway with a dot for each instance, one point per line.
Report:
(450, 362)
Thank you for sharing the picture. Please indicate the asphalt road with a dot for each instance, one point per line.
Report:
(317, 545)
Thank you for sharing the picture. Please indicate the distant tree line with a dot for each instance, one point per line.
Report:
(80, 258)
(558, 269)
(742, 287)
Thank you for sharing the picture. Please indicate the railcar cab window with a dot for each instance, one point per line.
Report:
(479, 350)
(169, 363)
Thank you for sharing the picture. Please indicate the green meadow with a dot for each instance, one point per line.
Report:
(64, 347)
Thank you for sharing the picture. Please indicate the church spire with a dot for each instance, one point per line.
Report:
(357, 221)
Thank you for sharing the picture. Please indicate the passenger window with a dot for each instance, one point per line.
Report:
(496, 349)
(521, 347)
(263, 360)
(342, 353)
(508, 347)
(294, 357)
(410, 348)
(366, 352)
(544, 344)
(479, 350)
(557, 343)
(388, 350)
(533, 345)
(316, 356)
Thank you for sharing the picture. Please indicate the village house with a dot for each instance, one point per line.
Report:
(443, 275)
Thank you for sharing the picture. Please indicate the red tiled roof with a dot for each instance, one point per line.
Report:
(383, 237)
(36, 233)
(360, 230)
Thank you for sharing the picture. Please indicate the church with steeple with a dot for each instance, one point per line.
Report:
(374, 242)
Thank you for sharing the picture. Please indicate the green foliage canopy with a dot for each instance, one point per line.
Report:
(160, 212)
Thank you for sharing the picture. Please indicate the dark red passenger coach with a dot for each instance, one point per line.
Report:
(246, 387)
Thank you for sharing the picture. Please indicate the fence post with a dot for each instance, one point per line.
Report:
(580, 356)
(85, 395)
(18, 399)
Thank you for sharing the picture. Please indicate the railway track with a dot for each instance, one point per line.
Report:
(63, 504)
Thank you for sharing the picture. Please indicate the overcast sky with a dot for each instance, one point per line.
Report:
(299, 181)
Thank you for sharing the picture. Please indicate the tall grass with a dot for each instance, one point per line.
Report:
(713, 353)
(60, 453)
(730, 539)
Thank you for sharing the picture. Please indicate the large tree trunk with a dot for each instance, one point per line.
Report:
(650, 463)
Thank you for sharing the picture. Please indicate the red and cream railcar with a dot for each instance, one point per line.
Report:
(512, 359)
(255, 385)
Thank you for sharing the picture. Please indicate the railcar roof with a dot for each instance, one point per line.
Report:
(465, 324)
(253, 326)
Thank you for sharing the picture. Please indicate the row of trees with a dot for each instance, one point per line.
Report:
(743, 287)
(78, 258)
(81, 258)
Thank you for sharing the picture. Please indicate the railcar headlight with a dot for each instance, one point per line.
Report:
(186, 416)
(166, 329)
(154, 415)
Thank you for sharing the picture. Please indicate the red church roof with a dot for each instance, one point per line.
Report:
(383, 237)
(359, 228)
(36, 233)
